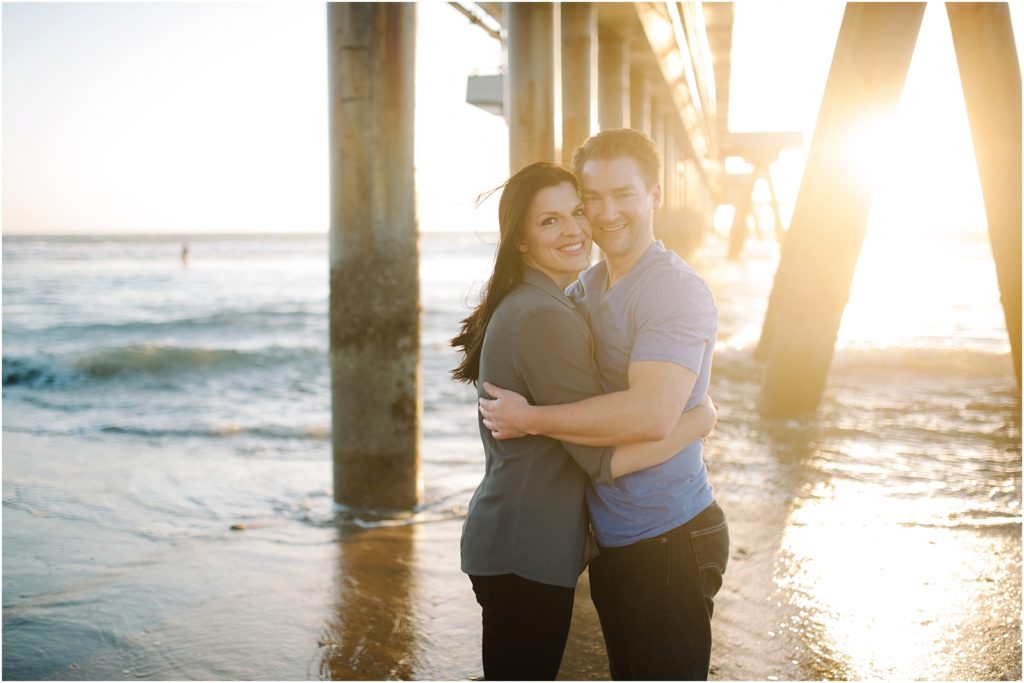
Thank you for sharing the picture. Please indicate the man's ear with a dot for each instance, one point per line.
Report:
(656, 195)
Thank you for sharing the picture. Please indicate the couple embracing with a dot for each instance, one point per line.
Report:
(593, 408)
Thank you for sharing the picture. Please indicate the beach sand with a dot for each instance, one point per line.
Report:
(287, 599)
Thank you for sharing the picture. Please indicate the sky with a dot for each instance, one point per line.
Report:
(197, 117)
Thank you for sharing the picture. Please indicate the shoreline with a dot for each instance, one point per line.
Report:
(293, 600)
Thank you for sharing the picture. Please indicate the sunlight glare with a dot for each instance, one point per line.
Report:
(925, 256)
(868, 569)
(867, 147)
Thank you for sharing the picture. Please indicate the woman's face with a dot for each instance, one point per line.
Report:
(556, 238)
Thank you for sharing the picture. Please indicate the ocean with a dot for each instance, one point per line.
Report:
(167, 510)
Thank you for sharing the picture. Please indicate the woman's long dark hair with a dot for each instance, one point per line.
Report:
(517, 195)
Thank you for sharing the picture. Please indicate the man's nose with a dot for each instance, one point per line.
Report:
(607, 210)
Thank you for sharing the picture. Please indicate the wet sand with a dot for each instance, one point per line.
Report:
(288, 599)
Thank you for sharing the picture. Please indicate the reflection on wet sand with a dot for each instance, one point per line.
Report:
(881, 566)
(401, 609)
(853, 560)
(882, 595)
(372, 634)
(756, 493)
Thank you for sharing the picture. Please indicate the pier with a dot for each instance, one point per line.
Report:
(662, 68)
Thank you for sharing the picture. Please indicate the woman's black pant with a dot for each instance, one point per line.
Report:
(526, 624)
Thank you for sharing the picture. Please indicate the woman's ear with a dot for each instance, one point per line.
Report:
(522, 248)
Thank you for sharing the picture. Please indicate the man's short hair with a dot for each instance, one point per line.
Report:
(620, 142)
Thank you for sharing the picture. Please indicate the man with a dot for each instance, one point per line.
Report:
(664, 541)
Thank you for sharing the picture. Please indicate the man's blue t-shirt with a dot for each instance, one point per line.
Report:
(660, 311)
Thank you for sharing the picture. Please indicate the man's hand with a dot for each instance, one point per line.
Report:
(506, 414)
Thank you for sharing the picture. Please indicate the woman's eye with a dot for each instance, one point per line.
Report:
(578, 212)
(549, 220)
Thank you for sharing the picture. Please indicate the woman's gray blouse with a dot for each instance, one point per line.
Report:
(528, 516)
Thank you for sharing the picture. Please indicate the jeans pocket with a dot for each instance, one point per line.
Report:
(644, 563)
(711, 552)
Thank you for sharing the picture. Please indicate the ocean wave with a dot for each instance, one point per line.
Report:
(943, 362)
(739, 363)
(36, 374)
(345, 517)
(262, 319)
(155, 359)
(979, 520)
(226, 430)
(146, 360)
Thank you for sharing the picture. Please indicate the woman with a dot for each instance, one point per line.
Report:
(526, 537)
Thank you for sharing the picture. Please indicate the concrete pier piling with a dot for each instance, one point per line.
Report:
(812, 284)
(657, 134)
(613, 78)
(579, 62)
(530, 101)
(374, 255)
(640, 99)
(990, 74)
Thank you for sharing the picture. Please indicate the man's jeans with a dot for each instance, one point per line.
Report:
(655, 599)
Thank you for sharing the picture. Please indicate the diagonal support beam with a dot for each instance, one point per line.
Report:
(812, 284)
(990, 75)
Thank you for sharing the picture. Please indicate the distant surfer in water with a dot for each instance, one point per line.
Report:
(185, 254)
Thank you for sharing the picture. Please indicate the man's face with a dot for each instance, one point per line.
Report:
(619, 205)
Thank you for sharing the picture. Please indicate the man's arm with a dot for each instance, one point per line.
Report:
(692, 425)
(646, 411)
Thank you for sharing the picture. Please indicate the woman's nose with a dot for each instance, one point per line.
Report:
(582, 224)
(572, 226)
